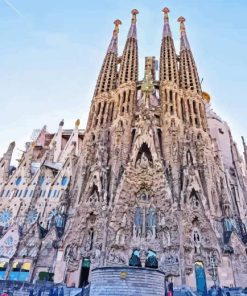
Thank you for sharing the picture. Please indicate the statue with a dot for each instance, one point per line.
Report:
(151, 260)
(135, 259)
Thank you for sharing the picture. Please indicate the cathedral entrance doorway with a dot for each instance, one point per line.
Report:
(85, 268)
(200, 278)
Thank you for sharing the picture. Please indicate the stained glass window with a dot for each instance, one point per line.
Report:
(64, 181)
(9, 241)
(32, 216)
(5, 217)
(18, 181)
(41, 180)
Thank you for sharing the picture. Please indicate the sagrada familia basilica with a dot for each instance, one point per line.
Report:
(155, 180)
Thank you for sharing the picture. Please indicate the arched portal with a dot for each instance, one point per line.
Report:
(201, 284)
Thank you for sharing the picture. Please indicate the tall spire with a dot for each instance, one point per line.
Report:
(188, 75)
(168, 57)
(166, 29)
(129, 63)
(245, 150)
(108, 74)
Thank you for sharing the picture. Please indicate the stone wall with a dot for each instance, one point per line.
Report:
(127, 281)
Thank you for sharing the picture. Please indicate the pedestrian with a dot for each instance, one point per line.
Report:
(219, 291)
(170, 288)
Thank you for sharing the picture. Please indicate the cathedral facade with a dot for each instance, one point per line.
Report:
(155, 180)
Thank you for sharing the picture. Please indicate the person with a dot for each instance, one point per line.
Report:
(170, 288)
(219, 291)
(5, 294)
(166, 287)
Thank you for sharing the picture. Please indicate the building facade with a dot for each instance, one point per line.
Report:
(155, 180)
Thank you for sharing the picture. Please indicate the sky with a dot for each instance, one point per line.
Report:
(51, 53)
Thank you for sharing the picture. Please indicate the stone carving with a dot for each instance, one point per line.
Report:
(147, 177)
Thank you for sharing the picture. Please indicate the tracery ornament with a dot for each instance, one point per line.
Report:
(5, 217)
(9, 241)
(32, 216)
(52, 214)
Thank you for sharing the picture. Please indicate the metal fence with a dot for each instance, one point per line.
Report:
(15, 288)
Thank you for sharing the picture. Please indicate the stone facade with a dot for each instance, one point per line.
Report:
(127, 281)
(155, 180)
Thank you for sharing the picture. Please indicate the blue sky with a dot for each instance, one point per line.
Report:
(51, 52)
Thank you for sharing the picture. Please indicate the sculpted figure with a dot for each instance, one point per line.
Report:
(143, 161)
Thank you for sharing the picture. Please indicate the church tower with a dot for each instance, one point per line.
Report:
(153, 181)
(152, 190)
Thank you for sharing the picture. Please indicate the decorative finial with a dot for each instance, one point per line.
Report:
(77, 123)
(166, 11)
(243, 141)
(134, 13)
(117, 23)
(61, 122)
(181, 20)
(206, 97)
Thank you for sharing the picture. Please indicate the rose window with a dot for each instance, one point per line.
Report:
(32, 216)
(5, 217)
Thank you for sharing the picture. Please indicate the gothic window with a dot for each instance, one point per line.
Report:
(160, 142)
(197, 241)
(135, 259)
(183, 110)
(103, 113)
(145, 218)
(150, 222)
(170, 97)
(112, 112)
(41, 180)
(64, 181)
(90, 240)
(195, 221)
(133, 136)
(94, 194)
(189, 110)
(18, 181)
(144, 155)
(189, 157)
(196, 237)
(138, 218)
(151, 260)
(194, 199)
